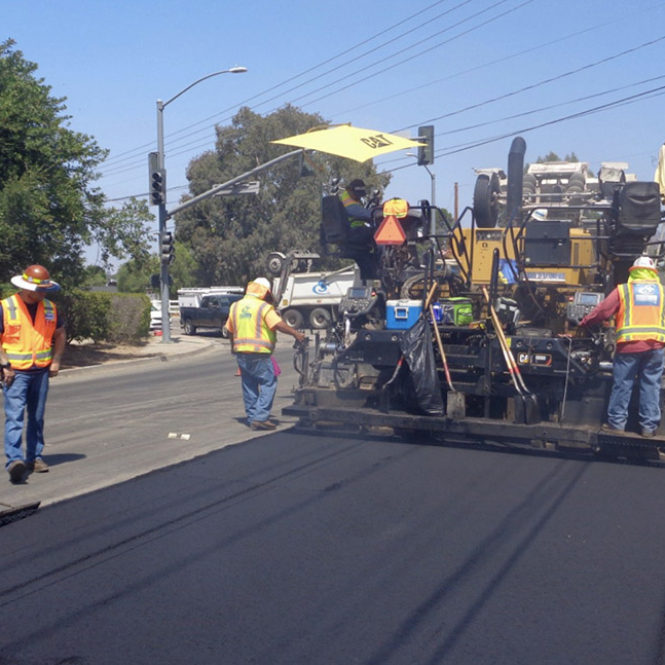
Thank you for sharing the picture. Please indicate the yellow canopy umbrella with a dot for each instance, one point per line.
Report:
(351, 142)
(659, 177)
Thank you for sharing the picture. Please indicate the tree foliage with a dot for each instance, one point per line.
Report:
(94, 276)
(551, 156)
(135, 276)
(231, 236)
(49, 208)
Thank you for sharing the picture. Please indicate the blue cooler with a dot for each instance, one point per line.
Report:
(402, 314)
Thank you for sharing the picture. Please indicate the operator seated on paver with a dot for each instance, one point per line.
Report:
(252, 326)
(361, 246)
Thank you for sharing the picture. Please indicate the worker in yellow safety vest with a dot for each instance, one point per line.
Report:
(252, 326)
(32, 341)
(639, 311)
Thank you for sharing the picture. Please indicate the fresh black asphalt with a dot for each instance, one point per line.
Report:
(300, 549)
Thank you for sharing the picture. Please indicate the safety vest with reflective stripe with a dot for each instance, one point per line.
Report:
(347, 202)
(251, 333)
(641, 314)
(26, 344)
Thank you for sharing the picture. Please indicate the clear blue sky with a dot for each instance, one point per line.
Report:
(478, 70)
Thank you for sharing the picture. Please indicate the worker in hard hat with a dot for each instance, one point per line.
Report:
(252, 326)
(639, 311)
(361, 234)
(32, 340)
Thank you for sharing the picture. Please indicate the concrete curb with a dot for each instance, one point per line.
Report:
(175, 353)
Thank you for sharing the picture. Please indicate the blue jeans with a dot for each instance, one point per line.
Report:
(627, 366)
(27, 392)
(259, 384)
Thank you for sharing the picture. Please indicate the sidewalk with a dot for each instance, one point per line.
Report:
(96, 466)
(79, 357)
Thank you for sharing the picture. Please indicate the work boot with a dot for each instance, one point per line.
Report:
(648, 433)
(38, 466)
(263, 424)
(606, 427)
(16, 471)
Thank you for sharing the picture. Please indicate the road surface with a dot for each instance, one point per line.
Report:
(290, 549)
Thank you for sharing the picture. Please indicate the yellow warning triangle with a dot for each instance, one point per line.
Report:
(390, 232)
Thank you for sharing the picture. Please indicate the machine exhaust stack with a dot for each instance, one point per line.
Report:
(515, 175)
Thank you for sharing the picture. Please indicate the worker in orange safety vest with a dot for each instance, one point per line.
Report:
(32, 341)
(639, 311)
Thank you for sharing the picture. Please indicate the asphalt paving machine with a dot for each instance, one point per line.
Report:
(466, 332)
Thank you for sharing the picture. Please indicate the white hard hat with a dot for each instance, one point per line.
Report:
(644, 262)
(262, 281)
(540, 214)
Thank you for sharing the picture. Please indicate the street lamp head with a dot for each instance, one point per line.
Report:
(237, 70)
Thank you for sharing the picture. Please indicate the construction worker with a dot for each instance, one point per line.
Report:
(361, 234)
(251, 326)
(32, 339)
(639, 310)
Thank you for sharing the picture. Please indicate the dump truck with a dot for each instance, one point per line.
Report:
(306, 298)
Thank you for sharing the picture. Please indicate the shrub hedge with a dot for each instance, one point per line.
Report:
(117, 318)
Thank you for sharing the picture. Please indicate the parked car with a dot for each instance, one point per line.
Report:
(211, 313)
(155, 315)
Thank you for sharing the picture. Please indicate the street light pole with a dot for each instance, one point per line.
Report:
(163, 214)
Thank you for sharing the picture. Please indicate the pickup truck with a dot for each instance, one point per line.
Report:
(211, 313)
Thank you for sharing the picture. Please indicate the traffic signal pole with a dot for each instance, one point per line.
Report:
(162, 217)
(158, 195)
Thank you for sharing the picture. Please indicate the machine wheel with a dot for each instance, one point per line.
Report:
(573, 192)
(486, 201)
(412, 289)
(275, 262)
(188, 327)
(294, 318)
(319, 318)
(577, 178)
(528, 188)
(529, 181)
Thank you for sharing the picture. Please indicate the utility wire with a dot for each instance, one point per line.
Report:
(187, 147)
(454, 149)
(381, 34)
(494, 62)
(533, 86)
(379, 62)
(416, 55)
(120, 170)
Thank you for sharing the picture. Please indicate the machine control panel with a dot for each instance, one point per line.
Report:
(358, 300)
(583, 303)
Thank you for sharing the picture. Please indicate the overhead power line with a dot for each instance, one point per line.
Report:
(533, 86)
(382, 34)
(374, 37)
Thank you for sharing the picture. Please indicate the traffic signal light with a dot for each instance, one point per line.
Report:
(426, 152)
(157, 187)
(166, 247)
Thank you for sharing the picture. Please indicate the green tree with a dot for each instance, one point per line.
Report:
(183, 270)
(553, 157)
(135, 276)
(94, 276)
(49, 208)
(231, 236)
